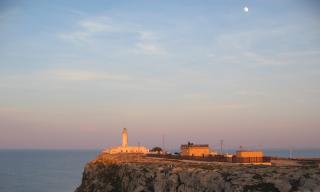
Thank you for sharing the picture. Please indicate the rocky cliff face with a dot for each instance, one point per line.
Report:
(138, 173)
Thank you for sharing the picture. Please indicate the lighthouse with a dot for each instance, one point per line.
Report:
(124, 138)
(125, 148)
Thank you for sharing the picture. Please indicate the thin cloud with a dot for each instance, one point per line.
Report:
(89, 29)
(76, 37)
(74, 11)
(148, 48)
(241, 48)
(147, 35)
(251, 57)
(79, 75)
(148, 43)
(97, 25)
(9, 13)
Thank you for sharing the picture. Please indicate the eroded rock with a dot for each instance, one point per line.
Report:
(134, 173)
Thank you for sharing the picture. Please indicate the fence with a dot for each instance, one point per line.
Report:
(216, 158)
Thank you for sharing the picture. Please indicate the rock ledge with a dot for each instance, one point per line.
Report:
(140, 173)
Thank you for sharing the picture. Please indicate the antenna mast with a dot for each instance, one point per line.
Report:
(163, 143)
(221, 147)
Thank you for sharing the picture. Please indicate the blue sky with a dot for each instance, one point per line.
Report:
(73, 73)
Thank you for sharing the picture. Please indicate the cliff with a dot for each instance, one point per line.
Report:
(139, 173)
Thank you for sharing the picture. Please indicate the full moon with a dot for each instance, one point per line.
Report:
(246, 9)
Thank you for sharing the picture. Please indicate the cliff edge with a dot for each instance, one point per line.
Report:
(129, 172)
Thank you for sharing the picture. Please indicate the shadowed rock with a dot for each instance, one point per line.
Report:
(132, 172)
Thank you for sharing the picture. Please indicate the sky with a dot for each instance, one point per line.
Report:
(74, 73)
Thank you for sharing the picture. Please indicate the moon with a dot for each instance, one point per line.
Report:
(246, 9)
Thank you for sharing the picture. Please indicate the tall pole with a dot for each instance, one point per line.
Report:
(163, 144)
(221, 146)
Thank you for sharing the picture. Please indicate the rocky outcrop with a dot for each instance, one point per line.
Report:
(138, 173)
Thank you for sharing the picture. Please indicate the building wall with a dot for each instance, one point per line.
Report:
(195, 151)
(246, 154)
(128, 149)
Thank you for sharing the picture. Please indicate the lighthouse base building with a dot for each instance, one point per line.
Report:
(124, 148)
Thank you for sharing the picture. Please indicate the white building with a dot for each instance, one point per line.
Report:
(125, 148)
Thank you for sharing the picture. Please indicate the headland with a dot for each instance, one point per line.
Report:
(139, 172)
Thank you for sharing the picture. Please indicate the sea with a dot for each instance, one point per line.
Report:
(61, 170)
(42, 170)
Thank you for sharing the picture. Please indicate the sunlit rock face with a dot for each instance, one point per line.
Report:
(129, 172)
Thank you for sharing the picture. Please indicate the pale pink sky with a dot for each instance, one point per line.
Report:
(73, 74)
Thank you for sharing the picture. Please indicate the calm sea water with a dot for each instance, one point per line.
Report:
(61, 170)
(42, 170)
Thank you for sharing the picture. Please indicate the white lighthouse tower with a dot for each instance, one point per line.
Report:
(124, 138)
(125, 148)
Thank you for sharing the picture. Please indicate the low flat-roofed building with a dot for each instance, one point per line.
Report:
(245, 154)
(198, 150)
(249, 156)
